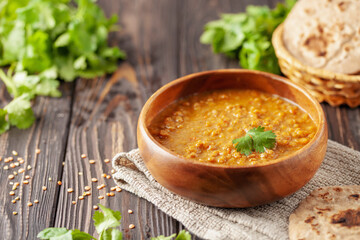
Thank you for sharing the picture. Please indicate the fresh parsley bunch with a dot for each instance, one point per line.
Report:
(105, 223)
(247, 36)
(46, 40)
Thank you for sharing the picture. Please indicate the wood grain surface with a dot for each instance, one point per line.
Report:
(98, 117)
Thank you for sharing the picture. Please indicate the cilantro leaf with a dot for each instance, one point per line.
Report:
(244, 145)
(4, 124)
(255, 139)
(106, 219)
(63, 234)
(183, 235)
(111, 234)
(20, 113)
(247, 36)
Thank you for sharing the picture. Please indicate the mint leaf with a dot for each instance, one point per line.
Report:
(20, 113)
(106, 219)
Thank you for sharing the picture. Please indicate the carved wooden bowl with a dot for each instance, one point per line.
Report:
(231, 186)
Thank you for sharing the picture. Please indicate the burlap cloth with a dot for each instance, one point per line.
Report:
(341, 166)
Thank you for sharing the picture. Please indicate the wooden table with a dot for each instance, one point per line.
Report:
(98, 117)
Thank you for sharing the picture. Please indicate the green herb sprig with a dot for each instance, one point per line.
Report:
(255, 139)
(105, 223)
(247, 36)
(46, 40)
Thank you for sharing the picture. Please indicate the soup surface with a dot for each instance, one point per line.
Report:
(202, 126)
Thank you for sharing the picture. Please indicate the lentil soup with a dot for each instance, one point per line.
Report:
(202, 126)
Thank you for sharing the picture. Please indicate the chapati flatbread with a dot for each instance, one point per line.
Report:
(327, 213)
(325, 34)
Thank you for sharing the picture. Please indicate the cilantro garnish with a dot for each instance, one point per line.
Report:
(247, 36)
(255, 139)
(105, 223)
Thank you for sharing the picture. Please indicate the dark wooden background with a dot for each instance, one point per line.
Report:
(98, 117)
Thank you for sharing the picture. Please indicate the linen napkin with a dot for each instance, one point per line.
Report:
(341, 166)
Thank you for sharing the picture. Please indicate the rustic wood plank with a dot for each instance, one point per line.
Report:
(49, 133)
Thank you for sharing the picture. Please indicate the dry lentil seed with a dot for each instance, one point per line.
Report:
(13, 201)
(14, 153)
(112, 194)
(87, 193)
(87, 188)
(73, 202)
(11, 193)
(50, 179)
(81, 197)
(118, 189)
(101, 186)
(21, 161)
(70, 190)
(11, 183)
(130, 211)
(106, 160)
(6, 167)
(63, 163)
(36, 201)
(44, 188)
(37, 151)
(10, 159)
(11, 176)
(28, 167)
(94, 179)
(92, 161)
(17, 164)
(17, 184)
(113, 189)
(108, 194)
(15, 173)
(25, 182)
(100, 197)
(14, 188)
(27, 177)
(29, 204)
(80, 173)
(104, 175)
(83, 156)
(12, 165)
(95, 207)
(59, 183)
(21, 170)
(15, 213)
(131, 226)
(108, 176)
(17, 198)
(112, 171)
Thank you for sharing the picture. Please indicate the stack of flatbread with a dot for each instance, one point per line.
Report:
(325, 34)
(327, 213)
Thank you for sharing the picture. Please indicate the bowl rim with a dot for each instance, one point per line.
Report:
(321, 127)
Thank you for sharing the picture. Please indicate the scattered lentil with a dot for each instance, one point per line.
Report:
(80, 173)
(131, 226)
(100, 197)
(21, 170)
(11, 176)
(83, 156)
(44, 188)
(15, 213)
(112, 171)
(73, 202)
(130, 211)
(12, 165)
(29, 204)
(11, 193)
(17, 198)
(87, 188)
(118, 189)
(28, 167)
(104, 175)
(17, 164)
(70, 190)
(108, 176)
(101, 186)
(37, 151)
(95, 207)
(87, 193)
(6, 167)
(81, 197)
(36, 201)
(112, 194)
(92, 161)
(113, 189)
(27, 177)
(25, 182)
(14, 153)
(106, 160)
(13, 201)
(59, 183)
(94, 179)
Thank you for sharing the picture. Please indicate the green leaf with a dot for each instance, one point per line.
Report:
(111, 234)
(183, 235)
(262, 139)
(63, 40)
(4, 124)
(106, 219)
(20, 113)
(79, 235)
(48, 233)
(244, 145)
(13, 44)
(162, 237)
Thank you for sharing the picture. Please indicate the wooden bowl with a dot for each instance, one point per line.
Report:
(231, 186)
